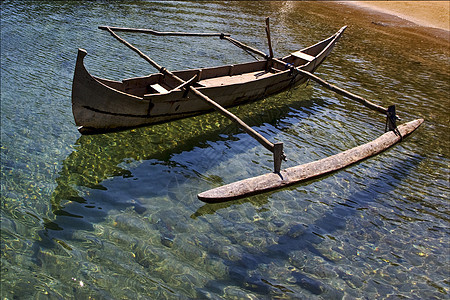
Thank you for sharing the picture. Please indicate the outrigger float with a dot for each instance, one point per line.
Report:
(101, 105)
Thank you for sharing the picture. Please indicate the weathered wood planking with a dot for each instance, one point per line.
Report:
(271, 181)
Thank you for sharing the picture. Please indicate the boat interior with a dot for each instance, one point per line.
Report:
(216, 76)
(208, 77)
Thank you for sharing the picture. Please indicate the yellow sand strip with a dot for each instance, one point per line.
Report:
(434, 14)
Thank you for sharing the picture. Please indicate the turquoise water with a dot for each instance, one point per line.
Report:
(116, 216)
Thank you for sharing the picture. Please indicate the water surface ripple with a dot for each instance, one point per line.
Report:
(116, 216)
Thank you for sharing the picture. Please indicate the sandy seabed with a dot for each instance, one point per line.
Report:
(435, 14)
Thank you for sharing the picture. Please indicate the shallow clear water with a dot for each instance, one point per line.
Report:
(116, 216)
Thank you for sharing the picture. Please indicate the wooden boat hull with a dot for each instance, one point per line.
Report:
(289, 176)
(101, 105)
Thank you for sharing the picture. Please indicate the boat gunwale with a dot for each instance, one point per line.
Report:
(330, 42)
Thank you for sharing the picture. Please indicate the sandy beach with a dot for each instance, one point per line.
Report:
(435, 14)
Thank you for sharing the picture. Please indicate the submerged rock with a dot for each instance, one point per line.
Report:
(314, 286)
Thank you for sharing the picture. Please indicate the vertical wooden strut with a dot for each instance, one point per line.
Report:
(391, 123)
(268, 37)
(276, 149)
(278, 157)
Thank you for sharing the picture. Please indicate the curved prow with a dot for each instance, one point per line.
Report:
(341, 30)
(77, 85)
(79, 70)
(81, 55)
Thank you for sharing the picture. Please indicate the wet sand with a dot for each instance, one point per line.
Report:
(434, 14)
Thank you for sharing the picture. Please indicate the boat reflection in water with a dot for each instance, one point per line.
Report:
(81, 197)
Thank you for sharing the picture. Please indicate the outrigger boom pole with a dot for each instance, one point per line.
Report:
(159, 33)
(276, 149)
(309, 75)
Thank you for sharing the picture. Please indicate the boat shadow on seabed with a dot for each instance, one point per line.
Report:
(101, 157)
(303, 237)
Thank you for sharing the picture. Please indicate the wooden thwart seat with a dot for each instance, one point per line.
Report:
(158, 88)
(302, 55)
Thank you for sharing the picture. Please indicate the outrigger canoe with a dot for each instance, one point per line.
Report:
(100, 105)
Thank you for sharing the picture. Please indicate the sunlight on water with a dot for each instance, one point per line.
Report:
(116, 216)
